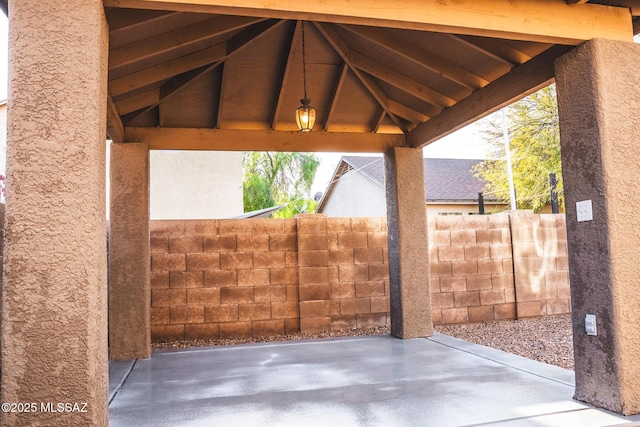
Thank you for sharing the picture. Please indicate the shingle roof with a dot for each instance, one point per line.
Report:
(445, 179)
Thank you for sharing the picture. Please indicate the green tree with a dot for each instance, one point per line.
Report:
(535, 151)
(276, 178)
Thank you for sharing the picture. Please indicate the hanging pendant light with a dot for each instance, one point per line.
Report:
(305, 114)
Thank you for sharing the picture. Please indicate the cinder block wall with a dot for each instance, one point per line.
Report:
(261, 277)
(223, 279)
(343, 273)
(471, 268)
(540, 264)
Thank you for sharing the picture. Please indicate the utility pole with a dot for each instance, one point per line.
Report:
(507, 149)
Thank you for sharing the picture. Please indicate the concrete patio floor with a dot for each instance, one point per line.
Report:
(358, 381)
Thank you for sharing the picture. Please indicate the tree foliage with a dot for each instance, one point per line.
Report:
(276, 178)
(535, 151)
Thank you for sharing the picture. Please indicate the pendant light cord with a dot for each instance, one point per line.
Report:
(304, 64)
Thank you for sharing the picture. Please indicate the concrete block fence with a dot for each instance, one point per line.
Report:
(262, 277)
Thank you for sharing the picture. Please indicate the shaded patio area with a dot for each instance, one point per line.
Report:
(360, 381)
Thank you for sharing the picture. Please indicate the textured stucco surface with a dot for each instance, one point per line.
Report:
(599, 106)
(129, 288)
(54, 344)
(196, 184)
(410, 289)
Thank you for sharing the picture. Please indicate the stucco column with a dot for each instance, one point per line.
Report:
(599, 105)
(54, 331)
(129, 287)
(410, 289)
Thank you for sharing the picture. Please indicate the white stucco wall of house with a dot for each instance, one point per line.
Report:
(195, 184)
(356, 195)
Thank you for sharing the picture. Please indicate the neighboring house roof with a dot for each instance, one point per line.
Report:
(446, 180)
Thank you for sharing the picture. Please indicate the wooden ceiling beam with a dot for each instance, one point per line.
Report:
(343, 50)
(125, 20)
(551, 21)
(115, 129)
(138, 102)
(259, 140)
(171, 87)
(420, 56)
(179, 82)
(211, 55)
(379, 121)
(167, 70)
(409, 114)
(520, 82)
(177, 39)
(400, 81)
(337, 89)
(284, 79)
(245, 38)
(496, 49)
(504, 66)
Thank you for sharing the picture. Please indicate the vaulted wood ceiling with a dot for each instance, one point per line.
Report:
(189, 77)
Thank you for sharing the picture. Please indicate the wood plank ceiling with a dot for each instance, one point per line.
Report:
(210, 72)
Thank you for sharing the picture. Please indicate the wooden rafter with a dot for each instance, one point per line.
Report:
(496, 49)
(551, 21)
(179, 38)
(240, 41)
(420, 57)
(248, 140)
(173, 86)
(343, 50)
(284, 79)
(115, 129)
(252, 34)
(223, 80)
(521, 81)
(379, 121)
(181, 81)
(211, 55)
(337, 88)
(412, 116)
(167, 70)
(402, 82)
(125, 19)
(138, 102)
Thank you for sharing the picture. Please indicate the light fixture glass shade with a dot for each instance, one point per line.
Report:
(305, 116)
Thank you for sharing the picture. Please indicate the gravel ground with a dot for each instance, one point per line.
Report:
(547, 339)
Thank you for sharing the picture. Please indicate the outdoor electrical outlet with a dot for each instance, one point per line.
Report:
(590, 324)
(584, 211)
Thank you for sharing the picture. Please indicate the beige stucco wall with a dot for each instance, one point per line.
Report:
(195, 184)
(54, 326)
(409, 284)
(599, 108)
(129, 292)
